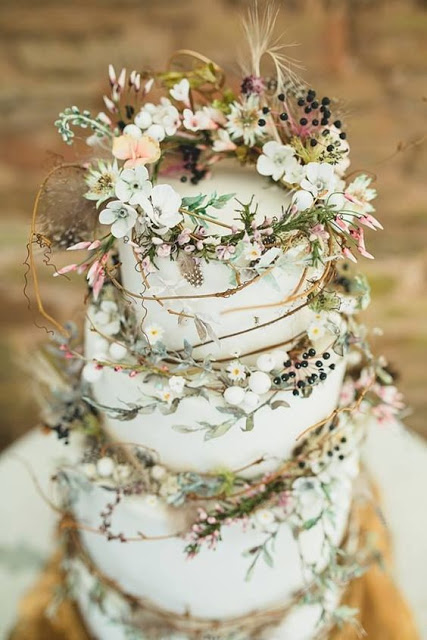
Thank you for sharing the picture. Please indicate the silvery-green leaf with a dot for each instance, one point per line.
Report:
(182, 428)
(279, 403)
(249, 425)
(218, 430)
(268, 559)
(268, 257)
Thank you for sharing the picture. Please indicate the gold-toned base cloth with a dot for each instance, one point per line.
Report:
(383, 612)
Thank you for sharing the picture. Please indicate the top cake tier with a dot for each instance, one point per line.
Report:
(238, 307)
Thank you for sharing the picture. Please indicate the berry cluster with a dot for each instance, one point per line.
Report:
(308, 118)
(304, 372)
(191, 154)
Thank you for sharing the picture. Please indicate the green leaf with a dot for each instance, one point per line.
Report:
(193, 202)
(309, 524)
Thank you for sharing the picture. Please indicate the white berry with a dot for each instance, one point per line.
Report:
(158, 472)
(234, 395)
(89, 469)
(117, 351)
(105, 467)
(251, 400)
(259, 382)
(266, 362)
(280, 357)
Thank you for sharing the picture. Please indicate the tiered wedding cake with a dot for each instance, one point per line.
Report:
(225, 384)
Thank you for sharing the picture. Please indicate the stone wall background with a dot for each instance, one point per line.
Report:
(371, 54)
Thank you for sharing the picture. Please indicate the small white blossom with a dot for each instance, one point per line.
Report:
(154, 333)
(236, 371)
(198, 121)
(252, 251)
(160, 120)
(180, 91)
(265, 520)
(101, 181)
(121, 216)
(242, 121)
(223, 142)
(176, 384)
(316, 329)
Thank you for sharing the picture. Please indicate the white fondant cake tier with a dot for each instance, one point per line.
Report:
(250, 309)
(212, 584)
(274, 435)
(106, 622)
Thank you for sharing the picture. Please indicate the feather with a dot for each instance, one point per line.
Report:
(259, 29)
(190, 269)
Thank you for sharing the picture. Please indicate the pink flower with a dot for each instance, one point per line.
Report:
(90, 246)
(318, 232)
(225, 251)
(96, 275)
(66, 269)
(358, 235)
(347, 253)
(136, 151)
(164, 250)
(184, 237)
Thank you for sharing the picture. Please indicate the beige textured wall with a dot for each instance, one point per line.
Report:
(371, 54)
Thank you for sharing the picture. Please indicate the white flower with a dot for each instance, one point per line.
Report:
(101, 181)
(133, 186)
(320, 179)
(252, 251)
(107, 318)
(360, 194)
(166, 395)
(303, 200)
(242, 121)
(236, 371)
(163, 210)
(118, 351)
(154, 333)
(265, 520)
(223, 142)
(160, 120)
(121, 216)
(200, 120)
(105, 467)
(180, 91)
(316, 329)
(176, 384)
(275, 159)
